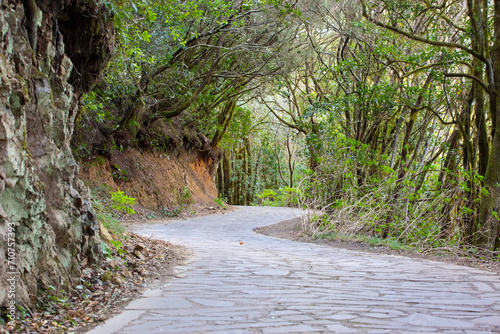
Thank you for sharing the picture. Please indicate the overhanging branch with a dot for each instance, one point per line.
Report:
(421, 39)
(470, 76)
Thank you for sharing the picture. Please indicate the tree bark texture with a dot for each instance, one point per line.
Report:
(490, 196)
(226, 168)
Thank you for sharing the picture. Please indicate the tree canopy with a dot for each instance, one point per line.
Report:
(379, 116)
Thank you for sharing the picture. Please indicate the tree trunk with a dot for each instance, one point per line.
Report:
(403, 166)
(226, 167)
(490, 196)
(490, 199)
(220, 179)
(225, 118)
(249, 172)
(243, 177)
(447, 182)
(313, 143)
(395, 141)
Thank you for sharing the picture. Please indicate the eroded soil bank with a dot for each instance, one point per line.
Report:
(159, 181)
(292, 230)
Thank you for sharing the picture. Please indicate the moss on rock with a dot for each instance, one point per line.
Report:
(41, 198)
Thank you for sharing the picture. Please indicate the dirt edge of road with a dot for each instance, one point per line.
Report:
(291, 230)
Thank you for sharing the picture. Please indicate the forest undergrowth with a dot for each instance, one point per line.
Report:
(355, 196)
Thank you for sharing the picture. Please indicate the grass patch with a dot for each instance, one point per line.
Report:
(110, 206)
(111, 223)
(392, 243)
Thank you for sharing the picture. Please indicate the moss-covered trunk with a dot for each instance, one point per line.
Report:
(226, 167)
(489, 211)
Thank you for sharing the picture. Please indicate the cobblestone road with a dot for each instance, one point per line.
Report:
(268, 285)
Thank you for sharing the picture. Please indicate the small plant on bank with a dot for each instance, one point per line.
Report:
(392, 243)
(118, 246)
(171, 213)
(122, 202)
(105, 250)
(111, 223)
(186, 196)
(107, 208)
(119, 174)
(220, 202)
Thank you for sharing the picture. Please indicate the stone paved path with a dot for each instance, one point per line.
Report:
(269, 285)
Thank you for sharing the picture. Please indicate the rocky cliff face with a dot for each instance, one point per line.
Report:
(52, 50)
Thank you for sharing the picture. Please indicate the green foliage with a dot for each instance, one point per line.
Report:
(392, 243)
(97, 161)
(267, 194)
(186, 196)
(119, 174)
(175, 46)
(122, 202)
(285, 196)
(111, 223)
(106, 214)
(106, 251)
(118, 246)
(170, 213)
(81, 151)
(94, 106)
(220, 202)
(359, 192)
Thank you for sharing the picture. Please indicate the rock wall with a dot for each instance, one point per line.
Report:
(46, 220)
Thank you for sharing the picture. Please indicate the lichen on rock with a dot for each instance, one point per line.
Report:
(40, 193)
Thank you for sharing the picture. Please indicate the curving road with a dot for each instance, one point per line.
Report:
(268, 285)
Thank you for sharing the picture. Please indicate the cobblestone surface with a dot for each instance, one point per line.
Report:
(238, 281)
